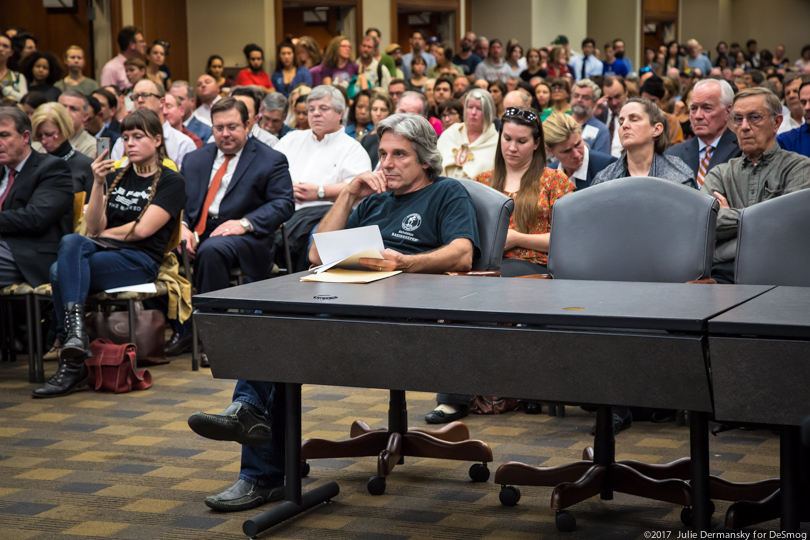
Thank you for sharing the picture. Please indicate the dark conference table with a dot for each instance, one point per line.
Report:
(617, 343)
(760, 356)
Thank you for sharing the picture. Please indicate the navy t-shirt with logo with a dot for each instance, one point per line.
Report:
(423, 220)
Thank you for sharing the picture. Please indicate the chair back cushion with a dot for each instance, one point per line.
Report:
(493, 210)
(773, 242)
(633, 229)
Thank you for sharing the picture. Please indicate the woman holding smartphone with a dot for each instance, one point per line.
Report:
(130, 217)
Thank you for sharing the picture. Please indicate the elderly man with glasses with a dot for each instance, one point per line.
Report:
(149, 95)
(762, 172)
(322, 161)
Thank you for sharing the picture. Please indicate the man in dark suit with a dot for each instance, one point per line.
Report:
(714, 143)
(36, 203)
(563, 137)
(238, 193)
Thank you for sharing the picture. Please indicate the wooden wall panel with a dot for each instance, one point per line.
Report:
(55, 30)
(165, 20)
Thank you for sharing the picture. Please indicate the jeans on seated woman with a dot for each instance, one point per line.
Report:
(131, 216)
(86, 267)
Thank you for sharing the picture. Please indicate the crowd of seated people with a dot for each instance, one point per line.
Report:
(321, 133)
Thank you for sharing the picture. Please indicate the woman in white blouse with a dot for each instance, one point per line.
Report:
(468, 148)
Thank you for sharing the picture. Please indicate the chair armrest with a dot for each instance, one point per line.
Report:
(536, 276)
(479, 273)
(707, 281)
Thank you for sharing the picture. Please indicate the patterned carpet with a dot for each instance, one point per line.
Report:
(127, 466)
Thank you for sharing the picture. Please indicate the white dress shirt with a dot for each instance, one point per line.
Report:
(582, 172)
(616, 147)
(334, 159)
(203, 112)
(213, 210)
(788, 122)
(177, 143)
(702, 146)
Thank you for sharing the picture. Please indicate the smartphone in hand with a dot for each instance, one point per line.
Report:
(102, 144)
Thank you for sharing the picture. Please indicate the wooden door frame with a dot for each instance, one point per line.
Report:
(358, 16)
(427, 5)
(656, 14)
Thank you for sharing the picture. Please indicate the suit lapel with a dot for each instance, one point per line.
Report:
(204, 177)
(27, 171)
(693, 154)
(248, 154)
(726, 147)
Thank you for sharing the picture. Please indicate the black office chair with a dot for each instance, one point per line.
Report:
(773, 248)
(391, 444)
(631, 229)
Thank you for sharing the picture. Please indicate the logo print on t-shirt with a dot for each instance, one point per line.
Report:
(411, 222)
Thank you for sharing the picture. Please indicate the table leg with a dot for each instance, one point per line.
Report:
(295, 502)
(790, 478)
(701, 499)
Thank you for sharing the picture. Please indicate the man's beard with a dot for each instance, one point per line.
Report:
(581, 110)
(398, 61)
(619, 55)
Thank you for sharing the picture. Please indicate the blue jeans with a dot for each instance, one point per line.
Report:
(264, 465)
(83, 267)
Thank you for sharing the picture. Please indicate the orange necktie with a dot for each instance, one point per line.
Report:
(704, 165)
(212, 192)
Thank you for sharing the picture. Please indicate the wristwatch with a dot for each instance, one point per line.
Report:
(321, 192)
(246, 225)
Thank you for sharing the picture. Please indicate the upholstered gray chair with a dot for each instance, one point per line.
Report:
(631, 229)
(773, 242)
(773, 248)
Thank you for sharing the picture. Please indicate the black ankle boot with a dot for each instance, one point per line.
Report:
(71, 377)
(77, 343)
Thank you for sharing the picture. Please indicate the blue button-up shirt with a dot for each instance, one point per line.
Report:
(796, 140)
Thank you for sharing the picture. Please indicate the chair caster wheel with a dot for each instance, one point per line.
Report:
(509, 496)
(376, 485)
(479, 472)
(565, 521)
(304, 469)
(687, 514)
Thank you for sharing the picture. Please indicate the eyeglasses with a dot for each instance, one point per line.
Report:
(323, 109)
(450, 114)
(523, 114)
(753, 119)
(558, 87)
(144, 95)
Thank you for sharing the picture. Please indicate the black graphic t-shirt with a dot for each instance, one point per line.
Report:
(421, 221)
(124, 205)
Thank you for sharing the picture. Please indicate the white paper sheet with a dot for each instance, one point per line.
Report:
(145, 288)
(345, 247)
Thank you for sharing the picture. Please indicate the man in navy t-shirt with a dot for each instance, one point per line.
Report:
(427, 221)
(428, 225)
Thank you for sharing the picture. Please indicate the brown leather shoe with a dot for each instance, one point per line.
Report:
(177, 345)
